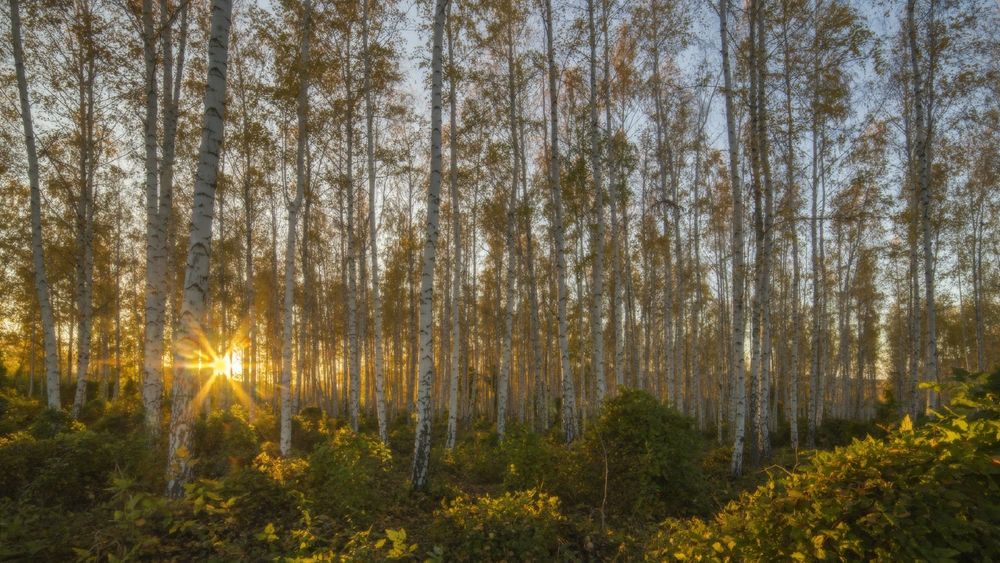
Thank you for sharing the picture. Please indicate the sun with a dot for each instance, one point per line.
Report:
(229, 364)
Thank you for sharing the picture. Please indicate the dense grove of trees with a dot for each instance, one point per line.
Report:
(763, 213)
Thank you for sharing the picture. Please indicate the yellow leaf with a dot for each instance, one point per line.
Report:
(718, 547)
(906, 425)
(798, 556)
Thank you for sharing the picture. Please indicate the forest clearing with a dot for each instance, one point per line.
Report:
(500, 280)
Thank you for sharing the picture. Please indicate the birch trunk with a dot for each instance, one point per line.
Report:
(159, 202)
(456, 230)
(422, 439)
(191, 330)
(152, 376)
(85, 205)
(302, 116)
(503, 383)
(793, 387)
(383, 430)
(352, 276)
(662, 155)
(923, 128)
(37, 249)
(737, 248)
(597, 305)
(568, 392)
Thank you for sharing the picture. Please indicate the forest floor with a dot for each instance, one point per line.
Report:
(641, 483)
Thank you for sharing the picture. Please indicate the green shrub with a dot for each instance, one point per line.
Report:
(223, 441)
(265, 424)
(17, 411)
(835, 432)
(120, 417)
(650, 454)
(50, 423)
(514, 527)
(477, 459)
(532, 461)
(310, 428)
(69, 470)
(346, 475)
(920, 494)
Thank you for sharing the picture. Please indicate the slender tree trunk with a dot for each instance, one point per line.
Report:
(352, 259)
(189, 348)
(737, 246)
(979, 221)
(422, 439)
(767, 243)
(792, 187)
(152, 377)
(597, 306)
(302, 116)
(383, 430)
(696, 350)
(86, 74)
(922, 150)
(37, 249)
(456, 233)
(568, 392)
(503, 383)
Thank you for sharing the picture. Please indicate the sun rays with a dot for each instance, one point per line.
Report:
(218, 371)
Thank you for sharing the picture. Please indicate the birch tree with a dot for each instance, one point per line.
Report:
(159, 191)
(923, 131)
(383, 431)
(566, 374)
(456, 230)
(37, 248)
(191, 336)
(739, 273)
(422, 439)
(597, 286)
(302, 117)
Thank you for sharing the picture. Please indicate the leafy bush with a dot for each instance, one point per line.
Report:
(310, 428)
(531, 461)
(50, 423)
(70, 470)
(926, 493)
(346, 474)
(835, 432)
(223, 441)
(17, 411)
(650, 455)
(515, 526)
(477, 459)
(120, 417)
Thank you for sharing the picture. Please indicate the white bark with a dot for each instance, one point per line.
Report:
(85, 206)
(597, 289)
(383, 431)
(302, 116)
(503, 382)
(152, 376)
(422, 439)
(352, 277)
(37, 249)
(159, 197)
(793, 378)
(739, 273)
(190, 349)
(456, 230)
(568, 391)
(922, 150)
(613, 189)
